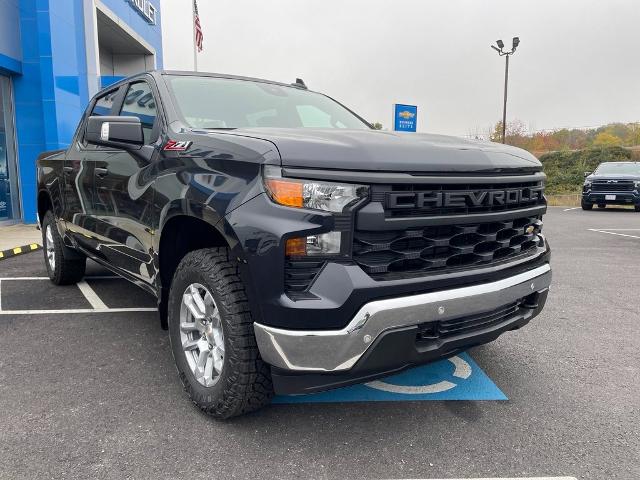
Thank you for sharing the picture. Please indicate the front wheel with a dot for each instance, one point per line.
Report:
(587, 206)
(64, 265)
(212, 338)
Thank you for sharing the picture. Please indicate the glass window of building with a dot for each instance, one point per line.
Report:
(8, 191)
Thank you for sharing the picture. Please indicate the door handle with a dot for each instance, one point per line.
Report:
(101, 172)
(67, 170)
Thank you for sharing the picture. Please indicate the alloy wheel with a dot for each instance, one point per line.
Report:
(201, 334)
(50, 247)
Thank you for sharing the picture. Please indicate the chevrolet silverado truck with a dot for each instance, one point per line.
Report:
(291, 247)
(612, 183)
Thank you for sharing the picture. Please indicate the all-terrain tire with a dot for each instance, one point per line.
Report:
(602, 205)
(244, 383)
(636, 208)
(587, 206)
(67, 266)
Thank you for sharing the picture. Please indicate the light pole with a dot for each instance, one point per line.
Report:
(506, 54)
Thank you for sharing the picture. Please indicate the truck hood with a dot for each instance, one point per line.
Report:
(613, 176)
(374, 150)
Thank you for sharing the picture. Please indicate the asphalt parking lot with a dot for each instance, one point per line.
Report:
(93, 393)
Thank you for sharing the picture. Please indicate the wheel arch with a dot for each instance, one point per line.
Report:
(45, 203)
(180, 234)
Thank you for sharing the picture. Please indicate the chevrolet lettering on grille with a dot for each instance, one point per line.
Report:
(463, 198)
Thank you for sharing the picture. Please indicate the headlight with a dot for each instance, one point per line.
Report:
(587, 184)
(637, 184)
(327, 196)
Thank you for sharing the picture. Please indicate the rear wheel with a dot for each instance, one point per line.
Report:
(212, 338)
(64, 265)
(637, 208)
(602, 205)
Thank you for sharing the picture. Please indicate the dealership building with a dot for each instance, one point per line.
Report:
(54, 56)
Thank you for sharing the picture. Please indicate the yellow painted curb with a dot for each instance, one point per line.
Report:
(12, 252)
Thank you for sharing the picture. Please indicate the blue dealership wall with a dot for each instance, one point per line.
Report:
(50, 76)
(10, 49)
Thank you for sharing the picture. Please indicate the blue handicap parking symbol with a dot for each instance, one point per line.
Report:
(456, 378)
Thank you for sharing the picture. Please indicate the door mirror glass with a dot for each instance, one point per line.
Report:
(116, 132)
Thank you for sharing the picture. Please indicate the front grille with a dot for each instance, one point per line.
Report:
(459, 326)
(409, 200)
(618, 186)
(419, 251)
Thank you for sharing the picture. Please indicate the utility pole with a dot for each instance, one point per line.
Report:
(506, 54)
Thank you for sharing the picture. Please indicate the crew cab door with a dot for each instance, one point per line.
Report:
(79, 169)
(123, 197)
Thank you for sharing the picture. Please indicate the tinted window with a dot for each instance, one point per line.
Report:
(209, 102)
(104, 104)
(139, 102)
(101, 108)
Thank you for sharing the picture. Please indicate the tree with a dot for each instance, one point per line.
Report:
(516, 133)
(377, 126)
(606, 139)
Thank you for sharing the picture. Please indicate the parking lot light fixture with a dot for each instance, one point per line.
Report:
(505, 53)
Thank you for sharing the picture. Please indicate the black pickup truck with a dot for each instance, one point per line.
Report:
(292, 248)
(612, 183)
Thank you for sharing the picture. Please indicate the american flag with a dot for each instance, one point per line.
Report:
(197, 27)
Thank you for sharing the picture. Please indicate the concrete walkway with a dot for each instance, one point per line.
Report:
(19, 235)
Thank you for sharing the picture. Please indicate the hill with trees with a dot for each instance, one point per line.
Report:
(567, 153)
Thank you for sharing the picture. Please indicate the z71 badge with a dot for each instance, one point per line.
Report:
(174, 146)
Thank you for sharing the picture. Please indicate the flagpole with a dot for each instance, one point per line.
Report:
(195, 43)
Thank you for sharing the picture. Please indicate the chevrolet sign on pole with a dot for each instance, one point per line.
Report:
(405, 117)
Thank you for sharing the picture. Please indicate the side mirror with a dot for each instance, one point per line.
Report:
(116, 132)
(586, 174)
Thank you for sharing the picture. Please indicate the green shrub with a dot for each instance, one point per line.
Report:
(565, 170)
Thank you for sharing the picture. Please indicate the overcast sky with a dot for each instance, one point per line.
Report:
(578, 63)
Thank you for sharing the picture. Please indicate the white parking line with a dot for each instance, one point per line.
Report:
(614, 233)
(91, 296)
(572, 208)
(89, 277)
(501, 478)
(86, 290)
(77, 310)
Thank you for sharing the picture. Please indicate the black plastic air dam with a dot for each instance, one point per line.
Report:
(397, 350)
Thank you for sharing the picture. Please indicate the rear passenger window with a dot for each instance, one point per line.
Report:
(139, 102)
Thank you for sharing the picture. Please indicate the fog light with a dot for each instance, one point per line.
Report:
(323, 244)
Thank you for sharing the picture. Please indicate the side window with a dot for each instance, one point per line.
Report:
(101, 108)
(104, 104)
(139, 102)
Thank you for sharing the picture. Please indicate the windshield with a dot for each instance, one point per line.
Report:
(209, 102)
(618, 168)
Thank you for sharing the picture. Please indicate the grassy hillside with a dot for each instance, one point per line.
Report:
(565, 170)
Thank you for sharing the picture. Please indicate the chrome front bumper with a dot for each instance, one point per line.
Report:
(339, 350)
